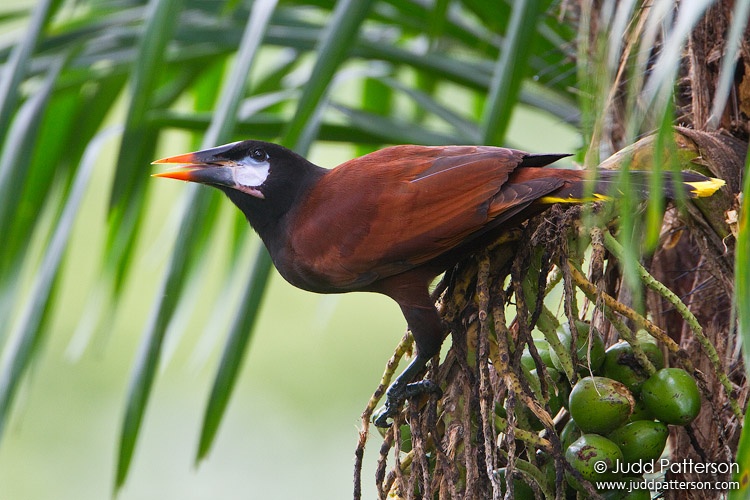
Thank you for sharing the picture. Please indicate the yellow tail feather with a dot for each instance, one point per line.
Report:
(703, 189)
(697, 189)
(570, 199)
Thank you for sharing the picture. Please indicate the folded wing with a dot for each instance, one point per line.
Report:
(414, 204)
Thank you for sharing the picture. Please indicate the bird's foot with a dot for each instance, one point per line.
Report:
(397, 394)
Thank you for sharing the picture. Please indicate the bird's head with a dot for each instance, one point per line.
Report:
(261, 178)
(242, 166)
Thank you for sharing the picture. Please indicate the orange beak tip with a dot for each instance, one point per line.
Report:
(184, 159)
(180, 175)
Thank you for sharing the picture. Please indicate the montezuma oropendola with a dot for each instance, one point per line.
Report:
(392, 220)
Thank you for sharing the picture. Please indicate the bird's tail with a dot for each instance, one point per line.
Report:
(609, 185)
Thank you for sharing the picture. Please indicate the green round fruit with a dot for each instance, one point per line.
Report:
(405, 438)
(527, 361)
(585, 455)
(641, 440)
(500, 410)
(643, 336)
(557, 389)
(542, 348)
(569, 433)
(586, 360)
(563, 390)
(600, 404)
(621, 364)
(672, 396)
(546, 464)
(521, 489)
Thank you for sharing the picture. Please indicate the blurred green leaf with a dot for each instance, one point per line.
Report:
(16, 65)
(510, 70)
(138, 139)
(742, 304)
(15, 160)
(664, 148)
(234, 352)
(344, 24)
(742, 269)
(737, 30)
(377, 97)
(465, 130)
(660, 83)
(29, 332)
(136, 145)
(395, 132)
(743, 460)
(194, 219)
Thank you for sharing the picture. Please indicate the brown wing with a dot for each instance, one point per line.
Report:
(412, 204)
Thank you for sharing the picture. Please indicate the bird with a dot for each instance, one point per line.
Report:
(393, 220)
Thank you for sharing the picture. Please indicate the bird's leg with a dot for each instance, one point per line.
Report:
(427, 330)
(403, 388)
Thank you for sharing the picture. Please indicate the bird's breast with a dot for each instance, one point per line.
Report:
(319, 270)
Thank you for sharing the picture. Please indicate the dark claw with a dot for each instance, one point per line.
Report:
(383, 414)
(422, 387)
(396, 396)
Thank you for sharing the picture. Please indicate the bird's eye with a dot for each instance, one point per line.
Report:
(259, 154)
